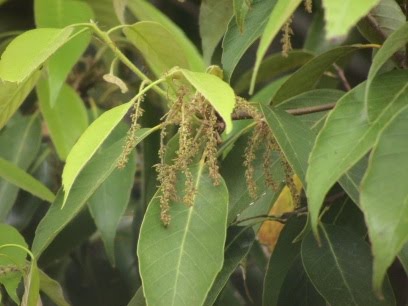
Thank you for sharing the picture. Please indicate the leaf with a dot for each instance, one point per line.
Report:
(59, 14)
(347, 135)
(307, 76)
(31, 286)
(88, 144)
(105, 13)
(341, 268)
(138, 299)
(403, 257)
(394, 42)
(28, 51)
(91, 177)
(109, 202)
(342, 16)
(283, 256)
(216, 91)
(387, 225)
(145, 11)
(23, 180)
(294, 138)
(13, 95)
(66, 121)
(241, 9)
(213, 22)
(236, 43)
(19, 144)
(52, 289)
(280, 14)
(239, 242)
(265, 95)
(351, 180)
(158, 47)
(178, 263)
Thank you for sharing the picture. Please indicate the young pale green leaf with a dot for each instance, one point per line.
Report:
(341, 16)
(394, 42)
(284, 254)
(241, 9)
(89, 143)
(13, 95)
(145, 11)
(158, 46)
(109, 203)
(25, 181)
(31, 286)
(280, 14)
(385, 182)
(213, 21)
(52, 289)
(66, 121)
(342, 273)
(178, 263)
(19, 144)
(239, 242)
(102, 164)
(28, 51)
(347, 135)
(236, 43)
(216, 91)
(105, 13)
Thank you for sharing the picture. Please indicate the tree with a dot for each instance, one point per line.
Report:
(238, 175)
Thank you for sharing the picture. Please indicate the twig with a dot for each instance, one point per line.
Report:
(282, 218)
(342, 77)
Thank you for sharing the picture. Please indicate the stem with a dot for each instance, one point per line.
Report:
(282, 218)
(342, 77)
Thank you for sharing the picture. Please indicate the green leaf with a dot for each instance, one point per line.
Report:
(28, 51)
(13, 95)
(239, 242)
(307, 77)
(282, 258)
(347, 135)
(52, 289)
(66, 121)
(273, 66)
(59, 14)
(341, 268)
(403, 257)
(394, 42)
(158, 46)
(213, 21)
(178, 263)
(351, 180)
(138, 299)
(216, 91)
(280, 14)
(31, 286)
(89, 143)
(385, 182)
(25, 181)
(236, 43)
(105, 13)
(19, 144)
(265, 95)
(341, 16)
(241, 9)
(145, 11)
(109, 203)
(91, 177)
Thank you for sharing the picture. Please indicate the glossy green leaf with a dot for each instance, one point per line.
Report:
(236, 43)
(387, 173)
(89, 143)
(213, 21)
(265, 95)
(307, 77)
(31, 286)
(13, 95)
(341, 16)
(105, 13)
(28, 51)
(19, 144)
(145, 11)
(395, 41)
(282, 258)
(91, 177)
(239, 242)
(178, 263)
(216, 91)
(52, 289)
(66, 121)
(109, 203)
(158, 46)
(347, 135)
(241, 9)
(59, 14)
(23, 180)
(282, 11)
(341, 268)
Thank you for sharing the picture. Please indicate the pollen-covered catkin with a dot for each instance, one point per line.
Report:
(286, 37)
